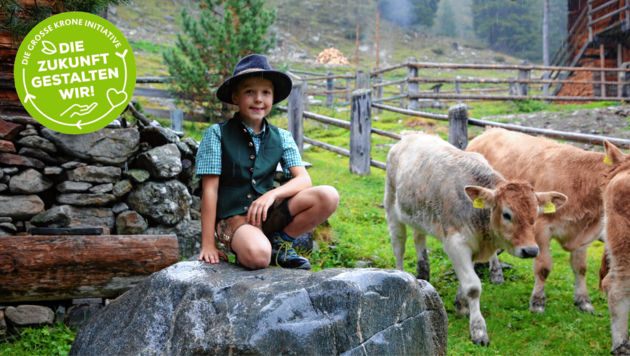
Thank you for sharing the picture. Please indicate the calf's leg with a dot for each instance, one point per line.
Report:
(496, 272)
(398, 235)
(423, 268)
(469, 286)
(542, 268)
(619, 307)
(578, 264)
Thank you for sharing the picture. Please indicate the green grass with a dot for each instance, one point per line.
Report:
(42, 340)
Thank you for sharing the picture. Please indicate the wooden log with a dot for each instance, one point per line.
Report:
(360, 131)
(296, 111)
(341, 151)
(330, 96)
(348, 89)
(458, 126)
(412, 87)
(401, 101)
(458, 87)
(65, 267)
(379, 90)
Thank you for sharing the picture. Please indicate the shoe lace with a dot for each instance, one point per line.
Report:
(288, 250)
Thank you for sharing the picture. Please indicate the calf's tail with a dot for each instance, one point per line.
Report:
(604, 269)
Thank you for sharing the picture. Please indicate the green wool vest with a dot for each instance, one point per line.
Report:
(245, 175)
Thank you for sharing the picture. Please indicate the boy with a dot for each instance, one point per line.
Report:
(237, 161)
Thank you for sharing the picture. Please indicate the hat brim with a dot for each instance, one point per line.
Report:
(282, 85)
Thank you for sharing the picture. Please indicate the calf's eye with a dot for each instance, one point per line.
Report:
(507, 216)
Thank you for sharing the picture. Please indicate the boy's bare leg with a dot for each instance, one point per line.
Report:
(311, 207)
(252, 247)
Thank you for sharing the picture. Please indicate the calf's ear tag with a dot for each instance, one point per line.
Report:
(478, 203)
(608, 161)
(549, 208)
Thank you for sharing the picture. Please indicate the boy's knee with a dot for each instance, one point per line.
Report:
(260, 258)
(330, 197)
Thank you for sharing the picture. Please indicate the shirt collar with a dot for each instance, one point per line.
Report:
(249, 129)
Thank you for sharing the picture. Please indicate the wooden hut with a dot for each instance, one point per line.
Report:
(597, 37)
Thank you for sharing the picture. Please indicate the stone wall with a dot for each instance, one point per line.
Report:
(124, 180)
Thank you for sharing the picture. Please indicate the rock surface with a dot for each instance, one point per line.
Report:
(29, 182)
(188, 236)
(198, 308)
(38, 142)
(75, 217)
(137, 175)
(20, 207)
(130, 223)
(164, 202)
(9, 131)
(25, 315)
(7, 146)
(94, 174)
(103, 146)
(73, 187)
(161, 162)
(16, 160)
(81, 199)
(38, 154)
(101, 189)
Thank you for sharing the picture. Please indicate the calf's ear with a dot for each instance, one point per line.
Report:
(614, 156)
(551, 201)
(481, 197)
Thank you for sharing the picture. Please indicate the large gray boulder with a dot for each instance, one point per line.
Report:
(164, 202)
(161, 162)
(29, 181)
(20, 207)
(70, 216)
(105, 146)
(195, 308)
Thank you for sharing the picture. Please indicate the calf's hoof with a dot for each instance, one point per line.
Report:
(537, 303)
(621, 350)
(540, 309)
(497, 278)
(482, 340)
(585, 306)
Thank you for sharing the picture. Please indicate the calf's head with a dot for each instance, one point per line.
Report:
(514, 208)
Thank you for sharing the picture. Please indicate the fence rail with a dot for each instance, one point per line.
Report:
(360, 135)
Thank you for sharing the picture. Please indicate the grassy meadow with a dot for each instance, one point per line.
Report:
(358, 232)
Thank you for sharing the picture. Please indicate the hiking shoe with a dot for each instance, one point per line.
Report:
(283, 254)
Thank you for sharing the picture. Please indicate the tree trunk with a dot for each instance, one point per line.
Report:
(545, 40)
(65, 267)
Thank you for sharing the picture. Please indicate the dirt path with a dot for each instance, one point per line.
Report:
(613, 121)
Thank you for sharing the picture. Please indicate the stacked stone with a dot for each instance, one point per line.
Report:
(120, 179)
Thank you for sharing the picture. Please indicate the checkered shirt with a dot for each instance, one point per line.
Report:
(209, 153)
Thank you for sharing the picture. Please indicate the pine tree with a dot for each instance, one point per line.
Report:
(448, 24)
(409, 13)
(226, 31)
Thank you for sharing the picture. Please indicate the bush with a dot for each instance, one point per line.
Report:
(437, 51)
(525, 106)
(499, 59)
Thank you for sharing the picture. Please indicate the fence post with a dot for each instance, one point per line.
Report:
(379, 90)
(330, 97)
(363, 80)
(305, 100)
(401, 101)
(177, 120)
(412, 87)
(512, 84)
(436, 90)
(523, 88)
(360, 131)
(458, 126)
(458, 87)
(348, 82)
(295, 111)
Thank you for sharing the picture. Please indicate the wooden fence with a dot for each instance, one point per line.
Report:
(360, 126)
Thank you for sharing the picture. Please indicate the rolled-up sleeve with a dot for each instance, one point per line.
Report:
(290, 155)
(208, 158)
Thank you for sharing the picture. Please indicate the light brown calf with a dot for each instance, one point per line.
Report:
(548, 165)
(615, 271)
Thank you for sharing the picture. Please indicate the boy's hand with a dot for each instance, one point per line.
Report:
(257, 212)
(211, 255)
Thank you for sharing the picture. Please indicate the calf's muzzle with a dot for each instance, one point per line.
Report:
(527, 252)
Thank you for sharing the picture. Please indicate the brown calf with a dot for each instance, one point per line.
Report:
(548, 165)
(615, 270)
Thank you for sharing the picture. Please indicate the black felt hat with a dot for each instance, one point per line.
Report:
(256, 65)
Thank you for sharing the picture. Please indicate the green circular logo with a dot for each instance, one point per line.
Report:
(75, 72)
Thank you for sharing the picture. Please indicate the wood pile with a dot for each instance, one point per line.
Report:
(332, 56)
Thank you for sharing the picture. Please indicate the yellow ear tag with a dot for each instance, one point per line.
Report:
(478, 203)
(549, 208)
(608, 161)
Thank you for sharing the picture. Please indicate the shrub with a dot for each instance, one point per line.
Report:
(499, 59)
(437, 51)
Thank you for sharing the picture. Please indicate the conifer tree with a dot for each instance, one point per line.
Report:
(448, 23)
(206, 54)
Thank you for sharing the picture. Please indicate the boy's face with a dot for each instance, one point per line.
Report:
(254, 97)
